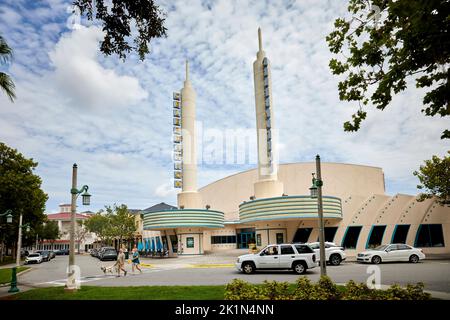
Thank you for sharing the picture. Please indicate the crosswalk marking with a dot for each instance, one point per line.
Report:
(85, 279)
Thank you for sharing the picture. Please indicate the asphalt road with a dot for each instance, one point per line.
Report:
(435, 274)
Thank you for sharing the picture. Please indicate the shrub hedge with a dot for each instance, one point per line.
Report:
(324, 289)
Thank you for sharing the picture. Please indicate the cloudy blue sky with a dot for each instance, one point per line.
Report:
(114, 118)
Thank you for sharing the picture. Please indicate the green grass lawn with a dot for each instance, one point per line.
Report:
(128, 293)
(5, 274)
(125, 293)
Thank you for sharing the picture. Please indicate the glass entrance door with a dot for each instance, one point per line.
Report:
(244, 237)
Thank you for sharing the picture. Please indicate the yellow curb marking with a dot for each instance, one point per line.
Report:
(147, 265)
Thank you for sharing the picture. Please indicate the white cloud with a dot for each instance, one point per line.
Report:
(85, 82)
(164, 190)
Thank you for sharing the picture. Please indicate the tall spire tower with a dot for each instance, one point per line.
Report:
(267, 184)
(189, 197)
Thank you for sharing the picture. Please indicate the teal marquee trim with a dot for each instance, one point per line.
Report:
(288, 197)
(183, 218)
(289, 207)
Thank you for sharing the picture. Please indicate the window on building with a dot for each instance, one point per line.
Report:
(400, 233)
(280, 238)
(351, 237)
(258, 239)
(287, 250)
(375, 236)
(302, 235)
(430, 235)
(330, 232)
(190, 242)
(223, 239)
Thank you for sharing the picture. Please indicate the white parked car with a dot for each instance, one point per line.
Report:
(391, 252)
(297, 257)
(33, 258)
(334, 254)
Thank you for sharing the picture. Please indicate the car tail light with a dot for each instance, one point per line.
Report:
(314, 258)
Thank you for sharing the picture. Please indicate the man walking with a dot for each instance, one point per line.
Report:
(121, 263)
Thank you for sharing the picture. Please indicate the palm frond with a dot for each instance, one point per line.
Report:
(7, 85)
(6, 52)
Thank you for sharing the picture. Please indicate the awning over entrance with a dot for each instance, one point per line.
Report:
(288, 207)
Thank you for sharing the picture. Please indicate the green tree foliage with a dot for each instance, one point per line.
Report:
(112, 223)
(434, 177)
(409, 39)
(117, 24)
(20, 191)
(6, 83)
(122, 223)
(100, 225)
(49, 231)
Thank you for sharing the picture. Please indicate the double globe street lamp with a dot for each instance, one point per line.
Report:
(9, 220)
(316, 193)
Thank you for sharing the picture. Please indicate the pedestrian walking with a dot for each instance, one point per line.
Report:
(135, 260)
(121, 263)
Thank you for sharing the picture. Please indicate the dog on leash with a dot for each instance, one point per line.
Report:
(110, 269)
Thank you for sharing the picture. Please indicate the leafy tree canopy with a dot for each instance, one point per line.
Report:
(122, 222)
(434, 177)
(100, 225)
(112, 223)
(117, 24)
(382, 49)
(20, 191)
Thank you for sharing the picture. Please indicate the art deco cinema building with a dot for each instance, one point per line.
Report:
(271, 203)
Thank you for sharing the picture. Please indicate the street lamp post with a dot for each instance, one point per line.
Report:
(8, 214)
(316, 192)
(71, 281)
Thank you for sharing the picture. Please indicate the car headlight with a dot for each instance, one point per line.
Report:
(367, 255)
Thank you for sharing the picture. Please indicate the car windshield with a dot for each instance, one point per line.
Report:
(110, 251)
(34, 255)
(380, 248)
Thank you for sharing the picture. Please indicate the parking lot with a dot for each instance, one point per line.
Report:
(218, 270)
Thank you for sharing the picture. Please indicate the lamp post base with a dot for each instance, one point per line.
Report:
(14, 288)
(73, 278)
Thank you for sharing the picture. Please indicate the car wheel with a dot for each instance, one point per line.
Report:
(414, 259)
(335, 259)
(376, 259)
(248, 267)
(299, 268)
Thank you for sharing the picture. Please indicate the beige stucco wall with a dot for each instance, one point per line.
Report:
(340, 180)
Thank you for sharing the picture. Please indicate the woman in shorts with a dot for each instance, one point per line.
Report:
(135, 260)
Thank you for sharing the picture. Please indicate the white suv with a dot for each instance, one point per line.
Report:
(297, 257)
(333, 253)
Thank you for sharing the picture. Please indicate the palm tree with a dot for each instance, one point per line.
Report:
(6, 83)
